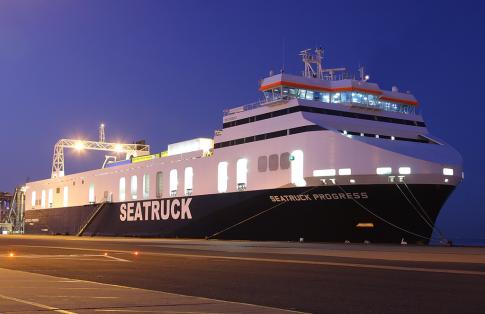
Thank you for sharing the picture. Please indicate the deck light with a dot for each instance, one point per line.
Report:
(447, 171)
(384, 170)
(404, 170)
(79, 145)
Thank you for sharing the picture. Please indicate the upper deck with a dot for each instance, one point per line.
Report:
(331, 86)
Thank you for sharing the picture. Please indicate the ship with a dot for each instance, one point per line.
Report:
(323, 156)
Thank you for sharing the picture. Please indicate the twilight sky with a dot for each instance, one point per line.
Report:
(164, 71)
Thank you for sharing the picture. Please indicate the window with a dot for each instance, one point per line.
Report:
(345, 172)
(273, 162)
(324, 173)
(58, 190)
(134, 187)
(188, 180)
(345, 97)
(404, 170)
(173, 182)
(447, 171)
(384, 170)
(34, 198)
(336, 98)
(222, 177)
(91, 196)
(146, 186)
(50, 197)
(262, 163)
(159, 184)
(296, 160)
(242, 174)
(66, 197)
(309, 95)
(122, 194)
(285, 161)
(42, 200)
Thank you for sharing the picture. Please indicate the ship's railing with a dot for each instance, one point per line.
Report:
(255, 105)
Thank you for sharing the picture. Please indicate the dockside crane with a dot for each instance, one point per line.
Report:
(131, 150)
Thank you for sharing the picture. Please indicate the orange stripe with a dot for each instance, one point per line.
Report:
(339, 89)
(404, 101)
(320, 88)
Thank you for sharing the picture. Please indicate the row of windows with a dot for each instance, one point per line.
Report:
(363, 99)
(267, 136)
(387, 137)
(273, 162)
(241, 178)
(332, 112)
(309, 128)
(49, 201)
(173, 185)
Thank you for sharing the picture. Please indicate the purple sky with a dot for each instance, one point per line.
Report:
(164, 71)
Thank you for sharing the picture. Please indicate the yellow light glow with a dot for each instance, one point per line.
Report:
(11, 254)
(79, 145)
(118, 148)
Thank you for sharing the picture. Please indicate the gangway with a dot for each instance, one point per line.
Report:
(14, 221)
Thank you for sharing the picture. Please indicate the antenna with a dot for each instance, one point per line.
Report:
(363, 77)
(283, 56)
(102, 136)
(309, 59)
(321, 73)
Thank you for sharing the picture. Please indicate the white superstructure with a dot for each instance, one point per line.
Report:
(319, 129)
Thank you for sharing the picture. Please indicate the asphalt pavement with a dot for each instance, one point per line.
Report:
(128, 275)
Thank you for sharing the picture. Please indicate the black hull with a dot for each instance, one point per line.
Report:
(317, 214)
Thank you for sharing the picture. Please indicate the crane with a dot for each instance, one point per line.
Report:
(131, 150)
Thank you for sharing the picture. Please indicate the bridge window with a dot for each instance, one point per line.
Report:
(336, 98)
(122, 187)
(159, 184)
(222, 177)
(134, 187)
(146, 186)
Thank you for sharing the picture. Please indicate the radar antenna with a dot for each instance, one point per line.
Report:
(308, 59)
